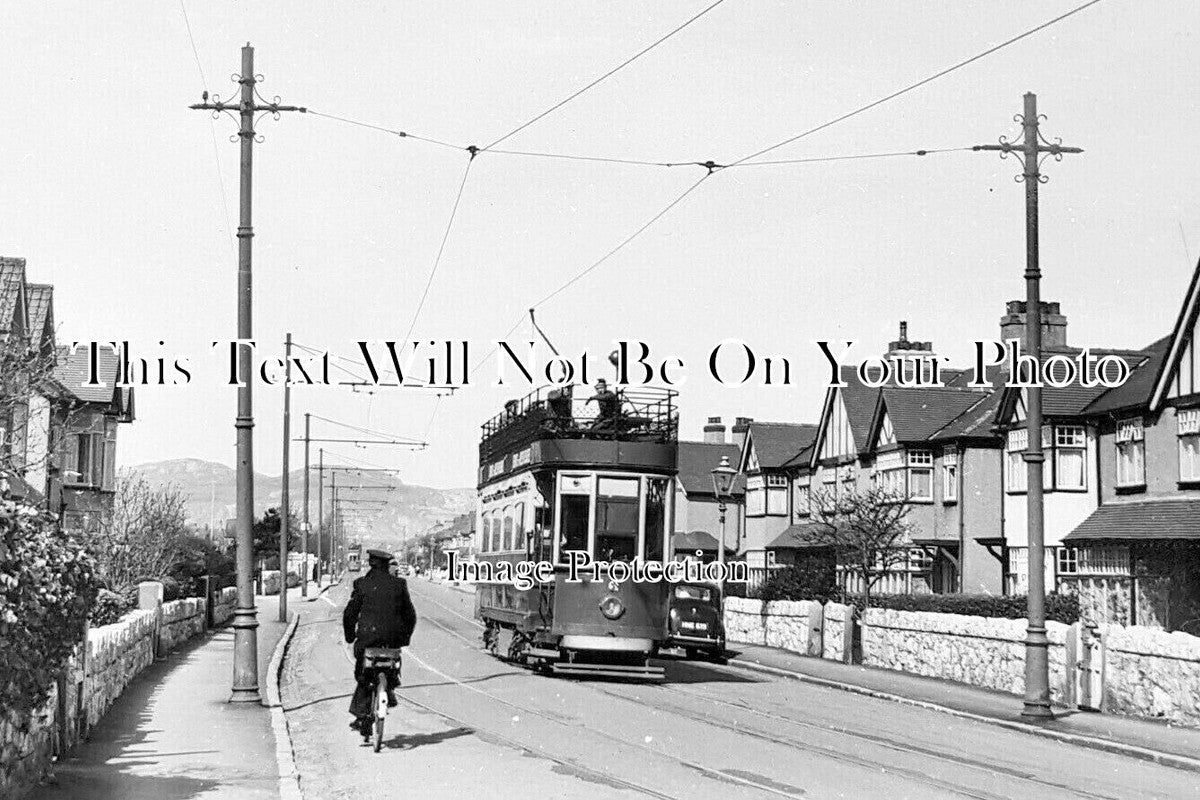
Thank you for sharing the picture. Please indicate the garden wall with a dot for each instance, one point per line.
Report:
(103, 667)
(1143, 672)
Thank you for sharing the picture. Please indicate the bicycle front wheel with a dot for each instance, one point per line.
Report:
(381, 704)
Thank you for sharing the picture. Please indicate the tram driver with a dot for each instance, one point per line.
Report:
(380, 614)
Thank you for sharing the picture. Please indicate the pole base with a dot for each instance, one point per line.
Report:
(1037, 711)
(246, 696)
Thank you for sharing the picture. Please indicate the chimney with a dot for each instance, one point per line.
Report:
(1054, 324)
(714, 431)
(740, 426)
(903, 347)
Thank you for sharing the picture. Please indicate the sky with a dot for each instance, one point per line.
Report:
(126, 200)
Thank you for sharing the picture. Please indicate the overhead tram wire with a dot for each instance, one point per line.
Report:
(918, 84)
(605, 76)
(441, 247)
(187, 23)
(743, 161)
(393, 131)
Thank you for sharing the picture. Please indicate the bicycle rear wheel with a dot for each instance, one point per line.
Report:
(380, 709)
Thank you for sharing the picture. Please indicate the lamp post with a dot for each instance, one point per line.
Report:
(722, 478)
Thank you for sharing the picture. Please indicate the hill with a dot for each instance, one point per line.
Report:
(210, 491)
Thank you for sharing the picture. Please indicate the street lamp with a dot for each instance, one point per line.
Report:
(722, 478)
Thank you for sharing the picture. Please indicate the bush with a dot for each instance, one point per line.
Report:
(814, 579)
(109, 608)
(48, 586)
(1059, 607)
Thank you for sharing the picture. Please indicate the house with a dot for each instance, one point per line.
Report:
(87, 454)
(697, 515)
(1070, 478)
(773, 456)
(1134, 558)
(931, 444)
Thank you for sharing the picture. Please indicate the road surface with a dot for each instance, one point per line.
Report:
(470, 725)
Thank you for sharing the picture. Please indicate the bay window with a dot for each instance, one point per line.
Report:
(1131, 454)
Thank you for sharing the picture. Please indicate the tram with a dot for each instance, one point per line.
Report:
(555, 477)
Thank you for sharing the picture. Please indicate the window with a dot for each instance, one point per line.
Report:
(771, 559)
(803, 496)
(497, 531)
(573, 523)
(1131, 453)
(486, 529)
(689, 591)
(508, 528)
(519, 526)
(1068, 561)
(1016, 477)
(1189, 445)
(949, 477)
(756, 499)
(1070, 444)
(777, 492)
(920, 560)
(920, 475)
(656, 517)
(617, 515)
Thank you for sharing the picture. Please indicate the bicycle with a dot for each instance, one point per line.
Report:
(382, 660)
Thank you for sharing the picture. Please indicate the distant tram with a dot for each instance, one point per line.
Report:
(559, 474)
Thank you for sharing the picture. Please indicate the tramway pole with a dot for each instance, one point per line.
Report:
(304, 526)
(1034, 149)
(284, 498)
(245, 622)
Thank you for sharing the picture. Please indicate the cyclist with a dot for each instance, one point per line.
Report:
(380, 614)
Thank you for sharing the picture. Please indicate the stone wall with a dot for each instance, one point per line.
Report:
(1152, 673)
(103, 667)
(1145, 672)
(981, 651)
(223, 603)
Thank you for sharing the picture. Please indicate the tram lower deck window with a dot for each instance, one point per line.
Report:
(617, 512)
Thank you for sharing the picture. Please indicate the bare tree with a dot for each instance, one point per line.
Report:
(867, 531)
(25, 372)
(142, 536)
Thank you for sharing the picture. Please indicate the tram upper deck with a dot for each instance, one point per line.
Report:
(565, 427)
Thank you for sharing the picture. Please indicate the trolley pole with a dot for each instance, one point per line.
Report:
(304, 524)
(1033, 149)
(245, 622)
(284, 496)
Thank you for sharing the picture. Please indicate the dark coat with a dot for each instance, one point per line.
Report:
(380, 612)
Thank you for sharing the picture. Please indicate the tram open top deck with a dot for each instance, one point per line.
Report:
(557, 427)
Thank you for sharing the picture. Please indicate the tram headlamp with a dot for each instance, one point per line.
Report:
(611, 608)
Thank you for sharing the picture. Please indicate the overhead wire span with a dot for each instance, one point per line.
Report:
(441, 247)
(598, 262)
(393, 131)
(360, 429)
(606, 75)
(919, 83)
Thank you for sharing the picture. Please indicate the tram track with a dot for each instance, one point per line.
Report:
(798, 744)
(705, 719)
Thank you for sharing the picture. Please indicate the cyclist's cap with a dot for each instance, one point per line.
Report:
(381, 554)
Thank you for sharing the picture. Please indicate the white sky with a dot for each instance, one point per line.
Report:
(110, 188)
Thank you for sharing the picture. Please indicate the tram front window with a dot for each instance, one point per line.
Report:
(576, 508)
(617, 519)
(656, 518)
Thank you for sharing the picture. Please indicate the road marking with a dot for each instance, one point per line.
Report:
(327, 600)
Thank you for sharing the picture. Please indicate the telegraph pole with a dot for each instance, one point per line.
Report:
(245, 622)
(284, 499)
(320, 508)
(1034, 149)
(304, 525)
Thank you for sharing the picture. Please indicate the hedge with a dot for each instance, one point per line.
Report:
(1059, 607)
(48, 585)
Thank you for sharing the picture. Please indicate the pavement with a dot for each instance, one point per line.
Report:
(173, 735)
(469, 723)
(1140, 738)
